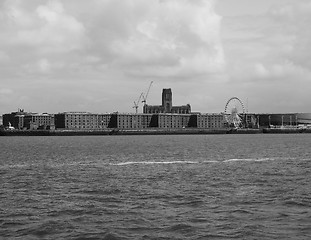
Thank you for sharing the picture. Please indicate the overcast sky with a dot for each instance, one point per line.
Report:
(99, 55)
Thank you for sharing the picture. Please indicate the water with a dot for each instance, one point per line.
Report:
(156, 187)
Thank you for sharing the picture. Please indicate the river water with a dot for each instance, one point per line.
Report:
(156, 187)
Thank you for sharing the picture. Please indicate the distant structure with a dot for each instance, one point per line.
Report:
(165, 116)
(234, 112)
(167, 105)
(94, 121)
(22, 120)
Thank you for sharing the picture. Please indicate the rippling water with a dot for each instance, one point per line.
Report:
(156, 187)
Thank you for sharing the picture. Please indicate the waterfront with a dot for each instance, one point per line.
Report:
(156, 187)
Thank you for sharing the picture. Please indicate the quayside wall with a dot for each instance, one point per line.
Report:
(111, 132)
(150, 132)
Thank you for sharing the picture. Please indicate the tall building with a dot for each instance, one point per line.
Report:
(167, 105)
(167, 101)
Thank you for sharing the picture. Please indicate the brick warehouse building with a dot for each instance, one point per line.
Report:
(42, 121)
(92, 121)
(24, 120)
(84, 121)
(14, 119)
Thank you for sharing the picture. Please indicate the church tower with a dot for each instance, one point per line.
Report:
(167, 100)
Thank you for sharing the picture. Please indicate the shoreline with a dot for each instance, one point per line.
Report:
(187, 131)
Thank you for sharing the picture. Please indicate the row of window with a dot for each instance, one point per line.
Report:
(142, 121)
(161, 125)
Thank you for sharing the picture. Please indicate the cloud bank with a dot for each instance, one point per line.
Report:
(268, 57)
(98, 55)
(68, 44)
(139, 37)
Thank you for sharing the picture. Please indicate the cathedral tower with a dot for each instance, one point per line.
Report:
(167, 100)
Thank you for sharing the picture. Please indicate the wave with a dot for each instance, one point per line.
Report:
(151, 162)
(249, 159)
(103, 163)
(191, 162)
(204, 162)
(14, 166)
(265, 159)
(48, 164)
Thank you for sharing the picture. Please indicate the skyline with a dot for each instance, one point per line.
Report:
(98, 56)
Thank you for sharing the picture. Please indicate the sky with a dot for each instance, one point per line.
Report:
(100, 55)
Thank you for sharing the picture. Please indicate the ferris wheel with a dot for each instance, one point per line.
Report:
(234, 111)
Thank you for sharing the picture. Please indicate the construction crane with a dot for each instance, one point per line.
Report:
(145, 96)
(137, 102)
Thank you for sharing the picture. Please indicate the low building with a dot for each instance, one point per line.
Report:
(277, 119)
(134, 121)
(22, 120)
(211, 121)
(37, 121)
(90, 121)
(283, 119)
(15, 119)
(251, 120)
(84, 121)
(304, 119)
(173, 120)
